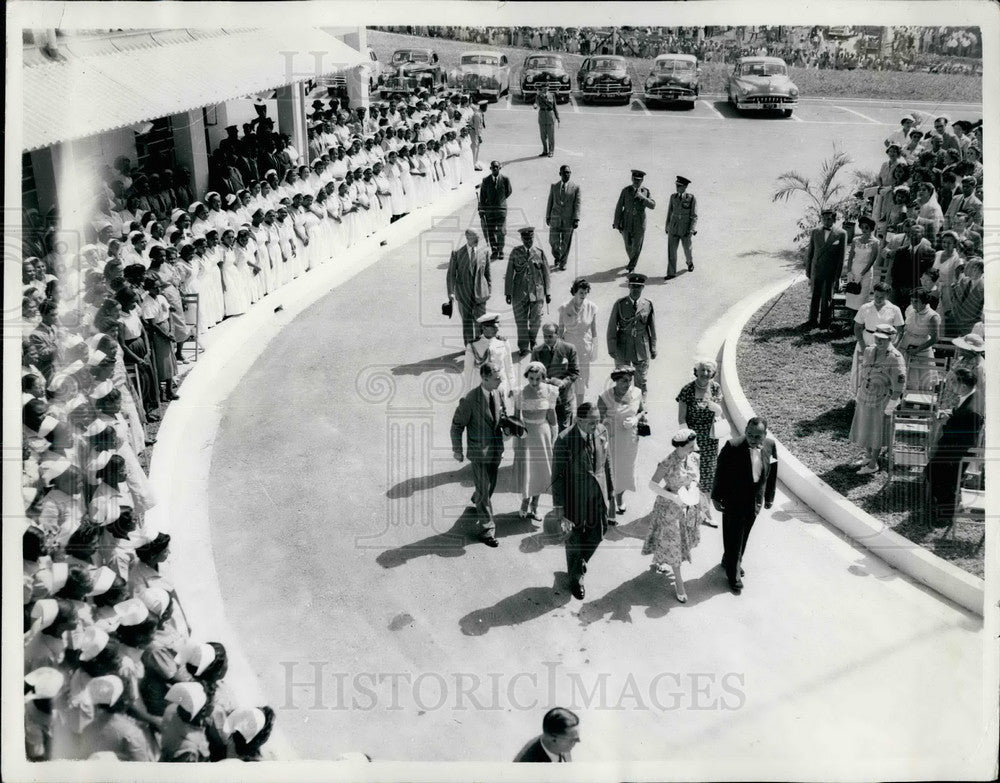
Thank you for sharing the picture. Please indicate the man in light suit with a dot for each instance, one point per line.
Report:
(682, 217)
(562, 216)
(469, 283)
(824, 264)
(493, 194)
(561, 369)
(582, 490)
(478, 416)
(746, 476)
(630, 216)
(560, 733)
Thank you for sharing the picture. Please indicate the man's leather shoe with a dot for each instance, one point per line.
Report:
(809, 325)
(736, 587)
(490, 541)
(690, 267)
(742, 572)
(577, 589)
(670, 277)
(543, 154)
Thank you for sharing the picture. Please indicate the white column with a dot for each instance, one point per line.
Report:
(191, 148)
(292, 116)
(357, 78)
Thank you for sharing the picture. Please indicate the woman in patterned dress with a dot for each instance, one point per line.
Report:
(679, 509)
(920, 332)
(698, 405)
(620, 408)
(536, 404)
(578, 327)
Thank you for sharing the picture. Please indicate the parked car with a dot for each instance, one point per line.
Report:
(604, 78)
(482, 74)
(412, 70)
(761, 84)
(544, 69)
(674, 77)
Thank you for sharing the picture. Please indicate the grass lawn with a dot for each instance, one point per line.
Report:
(800, 382)
(888, 85)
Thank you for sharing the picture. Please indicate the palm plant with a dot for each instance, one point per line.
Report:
(820, 195)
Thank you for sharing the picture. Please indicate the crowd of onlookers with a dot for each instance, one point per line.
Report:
(914, 280)
(112, 669)
(799, 48)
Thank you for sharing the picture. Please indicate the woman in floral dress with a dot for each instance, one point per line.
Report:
(699, 404)
(536, 404)
(679, 509)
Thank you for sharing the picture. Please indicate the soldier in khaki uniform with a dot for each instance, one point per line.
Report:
(632, 331)
(630, 216)
(682, 217)
(526, 287)
(548, 116)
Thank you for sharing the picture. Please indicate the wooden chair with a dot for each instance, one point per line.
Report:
(970, 493)
(191, 300)
(133, 375)
(924, 399)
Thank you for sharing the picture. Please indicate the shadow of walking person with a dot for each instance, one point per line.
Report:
(522, 607)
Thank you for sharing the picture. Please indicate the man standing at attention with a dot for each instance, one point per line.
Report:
(478, 416)
(478, 123)
(469, 283)
(632, 331)
(526, 287)
(548, 116)
(682, 217)
(630, 216)
(562, 216)
(493, 194)
(824, 264)
(582, 490)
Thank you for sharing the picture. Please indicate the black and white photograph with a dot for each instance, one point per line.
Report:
(415, 391)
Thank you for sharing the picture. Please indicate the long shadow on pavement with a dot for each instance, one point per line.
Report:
(608, 276)
(452, 542)
(654, 591)
(522, 607)
(447, 362)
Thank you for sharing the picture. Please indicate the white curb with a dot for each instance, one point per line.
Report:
(182, 457)
(913, 560)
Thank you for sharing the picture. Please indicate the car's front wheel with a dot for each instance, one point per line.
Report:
(786, 113)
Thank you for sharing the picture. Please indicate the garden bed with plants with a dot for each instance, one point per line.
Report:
(801, 382)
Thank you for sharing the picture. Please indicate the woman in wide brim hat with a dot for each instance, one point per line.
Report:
(679, 509)
(621, 409)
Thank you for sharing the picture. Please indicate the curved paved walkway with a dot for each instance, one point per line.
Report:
(339, 537)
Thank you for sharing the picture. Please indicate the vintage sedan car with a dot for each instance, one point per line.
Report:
(604, 78)
(411, 70)
(762, 84)
(482, 74)
(674, 77)
(546, 69)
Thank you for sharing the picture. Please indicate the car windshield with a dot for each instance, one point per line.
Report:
(607, 64)
(417, 57)
(675, 65)
(764, 69)
(479, 59)
(543, 62)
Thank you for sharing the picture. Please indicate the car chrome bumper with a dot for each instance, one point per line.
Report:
(597, 93)
(670, 95)
(780, 103)
(532, 89)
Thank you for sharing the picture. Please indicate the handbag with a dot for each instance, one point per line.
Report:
(853, 287)
(642, 428)
(447, 308)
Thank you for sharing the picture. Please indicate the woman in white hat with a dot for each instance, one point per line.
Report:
(881, 379)
(621, 410)
(970, 355)
(679, 509)
(112, 729)
(182, 738)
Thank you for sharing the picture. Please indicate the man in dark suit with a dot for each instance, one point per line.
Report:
(582, 490)
(469, 283)
(561, 368)
(909, 263)
(746, 475)
(630, 216)
(562, 216)
(824, 264)
(493, 194)
(959, 435)
(560, 732)
(478, 416)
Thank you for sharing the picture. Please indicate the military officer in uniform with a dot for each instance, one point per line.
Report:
(630, 216)
(526, 287)
(493, 349)
(632, 331)
(682, 217)
(478, 123)
(548, 116)
(562, 216)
